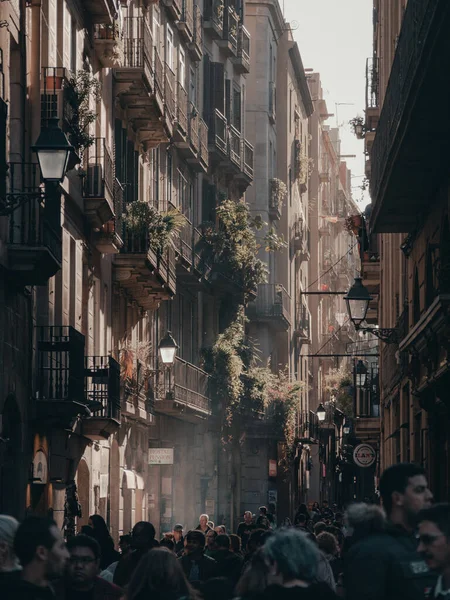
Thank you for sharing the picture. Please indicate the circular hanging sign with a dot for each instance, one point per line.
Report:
(364, 455)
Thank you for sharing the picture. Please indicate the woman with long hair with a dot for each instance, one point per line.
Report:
(159, 576)
(103, 537)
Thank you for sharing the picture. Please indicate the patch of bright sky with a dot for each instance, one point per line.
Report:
(335, 39)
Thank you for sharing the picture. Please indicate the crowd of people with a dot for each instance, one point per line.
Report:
(398, 552)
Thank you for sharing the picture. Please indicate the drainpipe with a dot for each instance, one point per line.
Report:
(35, 69)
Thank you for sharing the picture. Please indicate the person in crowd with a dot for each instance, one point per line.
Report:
(292, 561)
(211, 547)
(386, 565)
(256, 541)
(220, 529)
(326, 511)
(196, 565)
(9, 564)
(324, 572)
(434, 546)
(254, 579)
(125, 544)
(271, 515)
(41, 550)
(286, 522)
(245, 529)
(229, 565)
(301, 522)
(81, 579)
(87, 530)
(338, 520)
(217, 588)
(329, 546)
(262, 522)
(103, 537)
(203, 524)
(178, 538)
(142, 540)
(319, 528)
(302, 510)
(316, 510)
(168, 542)
(211, 524)
(159, 576)
(236, 545)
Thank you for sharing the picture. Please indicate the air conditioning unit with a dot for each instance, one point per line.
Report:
(94, 181)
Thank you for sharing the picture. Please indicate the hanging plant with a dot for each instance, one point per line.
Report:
(353, 224)
(278, 193)
(338, 383)
(303, 165)
(358, 126)
(161, 228)
(82, 87)
(274, 242)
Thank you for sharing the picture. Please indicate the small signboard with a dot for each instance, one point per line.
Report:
(160, 456)
(272, 468)
(364, 455)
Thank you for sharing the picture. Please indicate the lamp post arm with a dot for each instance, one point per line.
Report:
(385, 334)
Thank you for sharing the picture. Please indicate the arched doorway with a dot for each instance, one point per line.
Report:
(114, 490)
(84, 488)
(12, 496)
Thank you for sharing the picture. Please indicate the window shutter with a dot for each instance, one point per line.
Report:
(237, 103)
(228, 105)
(207, 101)
(129, 183)
(218, 86)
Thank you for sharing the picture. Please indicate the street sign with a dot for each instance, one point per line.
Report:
(364, 455)
(272, 468)
(160, 456)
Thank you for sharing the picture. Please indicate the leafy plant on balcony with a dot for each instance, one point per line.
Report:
(273, 241)
(160, 227)
(129, 355)
(220, 8)
(278, 193)
(232, 246)
(82, 88)
(303, 166)
(338, 383)
(357, 124)
(352, 224)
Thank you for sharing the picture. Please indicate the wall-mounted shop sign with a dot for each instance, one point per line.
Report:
(160, 456)
(364, 455)
(272, 468)
(40, 468)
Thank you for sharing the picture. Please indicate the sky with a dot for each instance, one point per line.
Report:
(335, 39)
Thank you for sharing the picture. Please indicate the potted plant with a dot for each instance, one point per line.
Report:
(82, 88)
(159, 227)
(278, 193)
(358, 126)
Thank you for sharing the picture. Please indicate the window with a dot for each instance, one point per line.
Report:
(155, 177)
(169, 174)
(193, 86)
(169, 47)
(182, 67)
(73, 41)
(236, 110)
(156, 26)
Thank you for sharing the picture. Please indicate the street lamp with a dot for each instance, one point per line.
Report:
(321, 412)
(361, 374)
(346, 427)
(53, 149)
(358, 300)
(167, 349)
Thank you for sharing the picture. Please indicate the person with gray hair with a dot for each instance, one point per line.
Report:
(9, 563)
(293, 567)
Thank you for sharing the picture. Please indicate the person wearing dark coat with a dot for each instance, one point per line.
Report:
(142, 540)
(100, 532)
(229, 565)
(382, 562)
(196, 565)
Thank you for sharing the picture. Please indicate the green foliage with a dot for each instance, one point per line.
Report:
(278, 193)
(82, 87)
(274, 242)
(338, 382)
(161, 228)
(233, 247)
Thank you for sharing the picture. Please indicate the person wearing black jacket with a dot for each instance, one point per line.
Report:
(142, 540)
(229, 565)
(178, 538)
(196, 566)
(383, 563)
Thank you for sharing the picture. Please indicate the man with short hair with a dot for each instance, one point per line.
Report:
(178, 538)
(434, 546)
(244, 529)
(81, 580)
(42, 552)
(203, 524)
(196, 565)
(327, 513)
(229, 565)
(142, 540)
(385, 565)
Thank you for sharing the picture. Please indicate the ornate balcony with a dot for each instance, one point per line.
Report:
(102, 384)
(302, 329)
(170, 90)
(98, 189)
(234, 140)
(35, 240)
(57, 96)
(184, 392)
(175, 8)
(218, 137)
(242, 60)
(108, 44)
(229, 41)
(196, 46)
(186, 22)
(136, 72)
(60, 386)
(180, 130)
(109, 239)
(203, 153)
(245, 175)
(213, 18)
(309, 429)
(148, 275)
(302, 240)
(272, 306)
(409, 153)
(102, 11)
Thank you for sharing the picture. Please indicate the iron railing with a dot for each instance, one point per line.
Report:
(272, 100)
(235, 145)
(188, 385)
(247, 163)
(182, 108)
(169, 92)
(138, 45)
(203, 135)
(60, 368)
(272, 301)
(198, 28)
(308, 427)
(102, 31)
(185, 242)
(159, 74)
(194, 128)
(100, 170)
(218, 131)
(302, 321)
(243, 48)
(231, 27)
(57, 95)
(214, 13)
(372, 83)
(187, 15)
(102, 383)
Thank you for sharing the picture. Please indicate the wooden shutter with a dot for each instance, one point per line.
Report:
(218, 86)
(207, 99)
(237, 104)
(228, 105)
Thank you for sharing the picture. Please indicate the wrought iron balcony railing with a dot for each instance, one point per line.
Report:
(247, 165)
(203, 135)
(213, 17)
(308, 428)
(188, 386)
(182, 108)
(169, 92)
(272, 304)
(302, 322)
(218, 134)
(138, 45)
(103, 386)
(100, 170)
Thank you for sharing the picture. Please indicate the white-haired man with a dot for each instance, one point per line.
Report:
(203, 524)
(9, 563)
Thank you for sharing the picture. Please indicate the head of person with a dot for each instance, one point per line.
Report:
(310, 506)
(159, 575)
(328, 544)
(223, 542)
(291, 556)
(302, 509)
(203, 521)
(325, 504)
(219, 529)
(194, 541)
(98, 524)
(338, 518)
(8, 528)
(167, 542)
(316, 506)
(364, 519)
(211, 524)
(40, 547)
(125, 544)
(256, 540)
(84, 562)
(301, 520)
(211, 537)
(235, 543)
(143, 535)
(87, 530)
(404, 492)
(263, 511)
(434, 536)
(255, 579)
(248, 517)
(319, 528)
(178, 532)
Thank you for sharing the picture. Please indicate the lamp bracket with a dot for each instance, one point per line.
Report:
(14, 200)
(386, 335)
